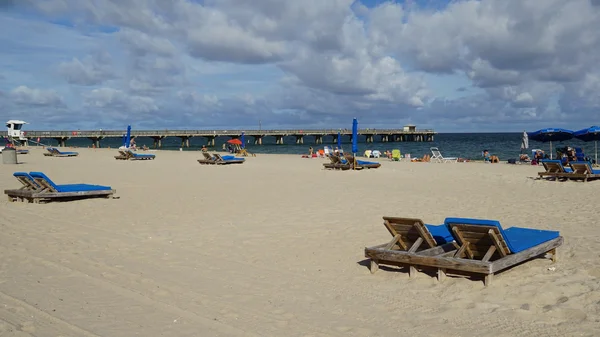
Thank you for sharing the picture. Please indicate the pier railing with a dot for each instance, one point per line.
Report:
(191, 133)
(386, 135)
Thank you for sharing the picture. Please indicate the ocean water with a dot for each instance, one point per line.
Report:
(463, 145)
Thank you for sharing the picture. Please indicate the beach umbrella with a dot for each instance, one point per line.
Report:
(128, 137)
(354, 139)
(551, 135)
(590, 134)
(235, 141)
(243, 141)
(339, 140)
(524, 142)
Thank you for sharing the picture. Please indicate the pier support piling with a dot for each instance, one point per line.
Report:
(62, 141)
(318, 139)
(279, 140)
(95, 142)
(210, 140)
(158, 141)
(185, 141)
(258, 140)
(299, 139)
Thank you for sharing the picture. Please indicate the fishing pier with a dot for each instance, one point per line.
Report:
(407, 134)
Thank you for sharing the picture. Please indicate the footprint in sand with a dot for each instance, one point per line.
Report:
(26, 327)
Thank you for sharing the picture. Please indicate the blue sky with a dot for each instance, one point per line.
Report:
(453, 66)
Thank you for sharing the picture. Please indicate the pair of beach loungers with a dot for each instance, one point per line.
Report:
(217, 159)
(579, 170)
(54, 152)
(460, 245)
(349, 163)
(38, 187)
(130, 155)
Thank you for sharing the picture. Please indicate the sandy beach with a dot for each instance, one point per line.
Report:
(275, 247)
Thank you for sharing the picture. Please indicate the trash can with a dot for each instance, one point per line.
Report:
(9, 155)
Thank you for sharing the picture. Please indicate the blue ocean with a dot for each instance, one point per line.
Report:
(463, 145)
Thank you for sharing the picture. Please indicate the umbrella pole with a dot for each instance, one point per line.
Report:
(550, 150)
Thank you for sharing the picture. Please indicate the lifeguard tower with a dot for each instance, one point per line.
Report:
(15, 132)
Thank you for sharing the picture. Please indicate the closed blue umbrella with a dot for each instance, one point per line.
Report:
(354, 136)
(551, 135)
(243, 140)
(354, 139)
(590, 134)
(128, 137)
(339, 141)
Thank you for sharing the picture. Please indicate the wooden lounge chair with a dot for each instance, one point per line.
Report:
(41, 188)
(123, 155)
(208, 159)
(409, 236)
(140, 156)
(227, 160)
(54, 152)
(336, 164)
(582, 170)
(554, 169)
(488, 248)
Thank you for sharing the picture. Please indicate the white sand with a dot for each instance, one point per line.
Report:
(274, 247)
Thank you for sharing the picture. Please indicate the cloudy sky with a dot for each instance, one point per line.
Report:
(488, 65)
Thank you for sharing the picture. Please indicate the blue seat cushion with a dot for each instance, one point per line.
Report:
(81, 188)
(524, 238)
(517, 239)
(364, 162)
(440, 234)
(143, 155)
(67, 152)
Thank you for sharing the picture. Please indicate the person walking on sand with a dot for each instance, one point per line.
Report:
(310, 151)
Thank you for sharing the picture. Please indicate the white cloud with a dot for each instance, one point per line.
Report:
(24, 95)
(115, 100)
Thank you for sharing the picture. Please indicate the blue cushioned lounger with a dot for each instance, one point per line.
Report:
(141, 156)
(517, 239)
(41, 177)
(38, 187)
(52, 151)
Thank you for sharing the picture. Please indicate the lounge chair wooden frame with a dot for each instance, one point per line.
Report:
(123, 155)
(54, 152)
(582, 171)
(553, 170)
(484, 249)
(45, 192)
(408, 234)
(208, 159)
(336, 164)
